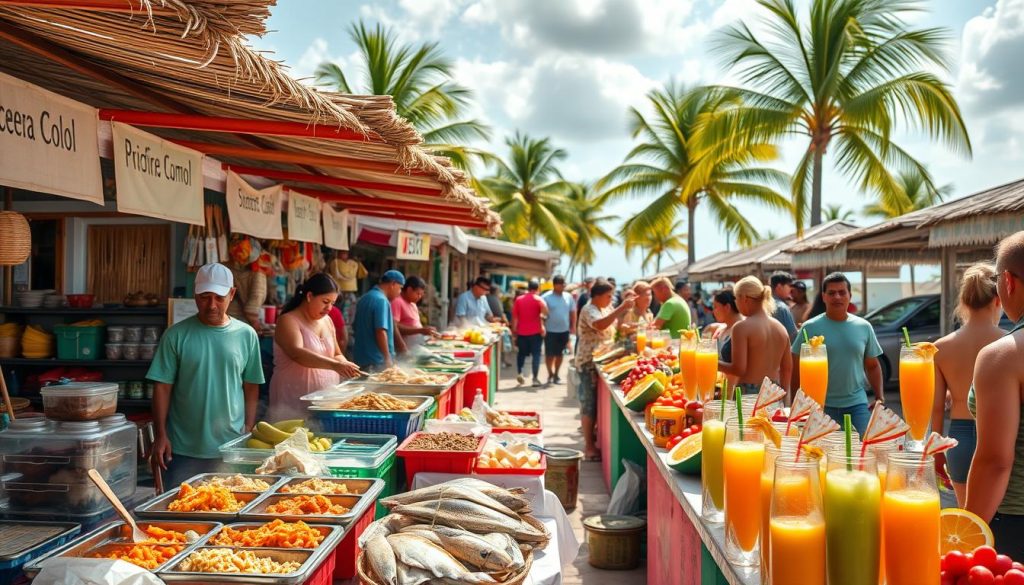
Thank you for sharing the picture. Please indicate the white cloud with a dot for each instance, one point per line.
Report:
(990, 72)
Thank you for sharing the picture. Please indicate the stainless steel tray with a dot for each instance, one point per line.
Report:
(425, 403)
(258, 511)
(432, 390)
(272, 480)
(332, 534)
(118, 533)
(157, 508)
(356, 487)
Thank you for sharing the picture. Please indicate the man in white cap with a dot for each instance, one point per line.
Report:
(207, 371)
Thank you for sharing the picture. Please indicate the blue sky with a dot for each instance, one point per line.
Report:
(569, 69)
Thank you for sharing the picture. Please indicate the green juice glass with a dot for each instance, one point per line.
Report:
(853, 520)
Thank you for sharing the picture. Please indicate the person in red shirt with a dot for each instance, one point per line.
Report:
(528, 314)
(339, 328)
(407, 313)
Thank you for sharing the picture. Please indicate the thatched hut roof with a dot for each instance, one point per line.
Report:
(192, 57)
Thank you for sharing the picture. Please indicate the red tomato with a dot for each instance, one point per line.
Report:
(956, 563)
(693, 405)
(1018, 566)
(1013, 577)
(985, 556)
(694, 429)
(999, 580)
(979, 575)
(686, 433)
(946, 579)
(671, 443)
(678, 404)
(699, 413)
(1003, 564)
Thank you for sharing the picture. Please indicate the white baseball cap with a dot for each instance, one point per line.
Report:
(215, 278)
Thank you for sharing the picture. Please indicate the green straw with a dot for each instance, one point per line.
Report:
(807, 340)
(906, 336)
(723, 403)
(848, 426)
(739, 409)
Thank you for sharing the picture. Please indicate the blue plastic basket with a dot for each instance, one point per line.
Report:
(401, 424)
(10, 567)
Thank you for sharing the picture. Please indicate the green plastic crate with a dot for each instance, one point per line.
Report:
(387, 471)
(78, 342)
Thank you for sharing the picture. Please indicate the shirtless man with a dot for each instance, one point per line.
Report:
(995, 485)
(760, 344)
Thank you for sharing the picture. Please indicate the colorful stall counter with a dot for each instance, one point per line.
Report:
(615, 436)
(695, 554)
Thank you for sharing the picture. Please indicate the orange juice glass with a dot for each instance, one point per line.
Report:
(706, 360)
(910, 511)
(814, 371)
(787, 449)
(796, 525)
(658, 340)
(641, 341)
(688, 366)
(742, 460)
(917, 393)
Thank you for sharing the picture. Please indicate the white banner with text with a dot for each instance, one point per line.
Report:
(412, 246)
(48, 142)
(157, 178)
(335, 227)
(254, 212)
(304, 218)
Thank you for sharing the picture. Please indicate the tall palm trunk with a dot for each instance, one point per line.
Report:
(816, 186)
(691, 231)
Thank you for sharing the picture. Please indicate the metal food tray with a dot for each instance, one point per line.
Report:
(272, 480)
(357, 487)
(157, 508)
(14, 548)
(332, 535)
(357, 504)
(118, 533)
(432, 390)
(421, 407)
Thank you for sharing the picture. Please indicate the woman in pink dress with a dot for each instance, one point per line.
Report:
(306, 353)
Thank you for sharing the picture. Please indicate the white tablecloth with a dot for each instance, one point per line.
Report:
(547, 563)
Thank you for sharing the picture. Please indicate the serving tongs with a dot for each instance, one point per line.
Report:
(137, 534)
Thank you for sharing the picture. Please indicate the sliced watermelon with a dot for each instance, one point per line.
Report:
(643, 392)
(685, 457)
(621, 372)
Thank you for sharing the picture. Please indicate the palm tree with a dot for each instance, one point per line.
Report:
(655, 243)
(914, 193)
(588, 207)
(665, 163)
(836, 212)
(529, 193)
(845, 79)
(419, 80)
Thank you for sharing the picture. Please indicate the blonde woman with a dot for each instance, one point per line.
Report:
(978, 312)
(760, 344)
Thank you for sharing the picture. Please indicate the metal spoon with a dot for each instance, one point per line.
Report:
(556, 452)
(137, 535)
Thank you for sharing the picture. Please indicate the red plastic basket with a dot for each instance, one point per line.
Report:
(461, 462)
(324, 574)
(515, 471)
(517, 413)
(343, 563)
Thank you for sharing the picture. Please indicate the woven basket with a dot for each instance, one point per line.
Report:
(16, 245)
(364, 572)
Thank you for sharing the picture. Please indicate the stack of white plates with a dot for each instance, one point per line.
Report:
(54, 301)
(31, 299)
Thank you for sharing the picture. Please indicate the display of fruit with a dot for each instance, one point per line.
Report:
(983, 566)
(645, 391)
(684, 451)
(643, 367)
(474, 336)
(266, 435)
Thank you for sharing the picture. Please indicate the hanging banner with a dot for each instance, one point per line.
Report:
(48, 142)
(412, 246)
(254, 212)
(157, 178)
(335, 227)
(304, 218)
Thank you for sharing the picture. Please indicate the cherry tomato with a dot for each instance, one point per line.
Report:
(699, 413)
(694, 429)
(979, 575)
(693, 405)
(1018, 566)
(1013, 577)
(678, 404)
(686, 433)
(1003, 564)
(946, 579)
(956, 563)
(985, 556)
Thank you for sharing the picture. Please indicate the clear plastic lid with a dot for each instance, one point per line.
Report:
(113, 420)
(79, 389)
(85, 426)
(35, 423)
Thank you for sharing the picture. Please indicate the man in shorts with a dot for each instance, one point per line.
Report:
(561, 325)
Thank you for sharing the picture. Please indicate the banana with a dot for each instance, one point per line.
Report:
(270, 433)
(254, 443)
(325, 443)
(289, 426)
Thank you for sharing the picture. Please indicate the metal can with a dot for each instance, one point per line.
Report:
(136, 390)
(149, 390)
(667, 422)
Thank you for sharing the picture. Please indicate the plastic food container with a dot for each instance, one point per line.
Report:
(79, 401)
(151, 334)
(400, 423)
(115, 334)
(460, 462)
(114, 351)
(133, 334)
(131, 351)
(147, 351)
(46, 464)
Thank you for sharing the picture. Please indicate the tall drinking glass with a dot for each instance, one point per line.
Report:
(641, 340)
(911, 511)
(853, 520)
(706, 359)
(659, 339)
(713, 441)
(688, 366)
(814, 371)
(917, 393)
(882, 452)
(786, 450)
(742, 460)
(797, 525)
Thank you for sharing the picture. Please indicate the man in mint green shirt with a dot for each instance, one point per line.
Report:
(852, 350)
(207, 371)
(674, 313)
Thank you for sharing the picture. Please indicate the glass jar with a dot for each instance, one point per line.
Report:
(796, 533)
(785, 450)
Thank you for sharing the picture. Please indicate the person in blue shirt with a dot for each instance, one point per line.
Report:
(782, 289)
(472, 308)
(853, 352)
(561, 324)
(373, 331)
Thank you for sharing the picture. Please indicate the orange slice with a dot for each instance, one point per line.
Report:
(925, 349)
(963, 531)
(816, 341)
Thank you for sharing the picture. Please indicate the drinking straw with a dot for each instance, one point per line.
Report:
(906, 337)
(848, 427)
(807, 339)
(721, 413)
(738, 394)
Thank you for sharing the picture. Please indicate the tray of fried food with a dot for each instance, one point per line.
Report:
(219, 564)
(331, 486)
(206, 502)
(237, 482)
(325, 509)
(167, 541)
(398, 381)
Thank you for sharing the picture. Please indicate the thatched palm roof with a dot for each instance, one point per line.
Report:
(191, 57)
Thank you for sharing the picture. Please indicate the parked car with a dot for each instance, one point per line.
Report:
(919, 314)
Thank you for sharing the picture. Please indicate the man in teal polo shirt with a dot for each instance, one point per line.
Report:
(207, 371)
(853, 352)
(373, 331)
